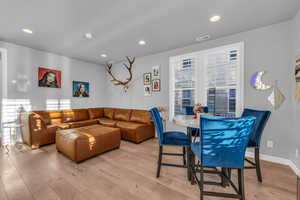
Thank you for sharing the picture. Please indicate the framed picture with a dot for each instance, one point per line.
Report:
(297, 77)
(297, 68)
(155, 72)
(147, 90)
(147, 78)
(81, 89)
(49, 78)
(156, 85)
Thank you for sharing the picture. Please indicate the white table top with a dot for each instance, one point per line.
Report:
(187, 120)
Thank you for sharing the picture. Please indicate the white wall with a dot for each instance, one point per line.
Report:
(24, 62)
(267, 48)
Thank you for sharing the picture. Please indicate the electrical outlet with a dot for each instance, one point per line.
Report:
(297, 153)
(270, 144)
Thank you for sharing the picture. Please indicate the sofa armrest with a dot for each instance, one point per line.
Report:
(34, 128)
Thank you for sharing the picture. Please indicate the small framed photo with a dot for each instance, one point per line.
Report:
(147, 78)
(147, 90)
(155, 72)
(156, 85)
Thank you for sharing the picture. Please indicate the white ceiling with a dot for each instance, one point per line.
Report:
(117, 25)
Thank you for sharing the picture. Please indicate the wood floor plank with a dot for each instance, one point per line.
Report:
(128, 173)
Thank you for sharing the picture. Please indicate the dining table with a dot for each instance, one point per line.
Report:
(189, 122)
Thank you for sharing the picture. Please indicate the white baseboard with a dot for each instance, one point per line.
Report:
(278, 160)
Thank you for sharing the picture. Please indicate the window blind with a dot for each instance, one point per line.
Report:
(184, 84)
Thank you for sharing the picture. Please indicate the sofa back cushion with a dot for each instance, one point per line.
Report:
(141, 116)
(108, 113)
(51, 117)
(74, 115)
(122, 114)
(95, 113)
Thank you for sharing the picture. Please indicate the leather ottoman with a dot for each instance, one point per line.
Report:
(81, 143)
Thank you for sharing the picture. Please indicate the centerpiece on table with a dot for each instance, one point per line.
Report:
(197, 110)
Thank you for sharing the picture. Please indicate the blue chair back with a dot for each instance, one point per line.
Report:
(157, 123)
(205, 109)
(261, 121)
(189, 110)
(224, 141)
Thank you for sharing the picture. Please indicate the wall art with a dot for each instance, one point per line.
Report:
(147, 78)
(276, 98)
(116, 81)
(155, 72)
(81, 89)
(147, 90)
(297, 77)
(156, 85)
(49, 78)
(257, 83)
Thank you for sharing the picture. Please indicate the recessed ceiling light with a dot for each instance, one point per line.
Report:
(26, 30)
(142, 42)
(215, 18)
(88, 36)
(103, 55)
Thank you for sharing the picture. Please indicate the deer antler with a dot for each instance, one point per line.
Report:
(129, 68)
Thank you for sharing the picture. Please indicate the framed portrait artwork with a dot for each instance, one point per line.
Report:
(49, 78)
(147, 90)
(156, 85)
(147, 78)
(297, 77)
(81, 89)
(155, 72)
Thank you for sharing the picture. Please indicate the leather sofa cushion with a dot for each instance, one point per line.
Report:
(107, 122)
(122, 114)
(61, 126)
(83, 123)
(135, 132)
(129, 125)
(108, 113)
(75, 115)
(141, 116)
(95, 113)
(50, 117)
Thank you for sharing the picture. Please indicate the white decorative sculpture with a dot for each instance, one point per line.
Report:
(257, 83)
(276, 98)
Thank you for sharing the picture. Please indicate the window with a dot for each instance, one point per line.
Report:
(213, 78)
(58, 104)
(10, 114)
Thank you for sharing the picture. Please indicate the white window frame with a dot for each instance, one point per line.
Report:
(201, 73)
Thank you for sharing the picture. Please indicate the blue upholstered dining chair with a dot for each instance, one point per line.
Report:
(223, 143)
(171, 138)
(254, 142)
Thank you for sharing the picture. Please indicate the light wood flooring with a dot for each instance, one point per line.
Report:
(126, 174)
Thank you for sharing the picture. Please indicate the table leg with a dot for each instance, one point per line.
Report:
(189, 155)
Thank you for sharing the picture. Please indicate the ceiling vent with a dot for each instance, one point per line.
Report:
(203, 38)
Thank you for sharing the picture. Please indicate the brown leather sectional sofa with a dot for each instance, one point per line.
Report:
(41, 126)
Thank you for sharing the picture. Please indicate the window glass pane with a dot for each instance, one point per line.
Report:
(184, 85)
(222, 82)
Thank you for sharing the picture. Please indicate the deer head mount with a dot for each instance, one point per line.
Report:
(115, 81)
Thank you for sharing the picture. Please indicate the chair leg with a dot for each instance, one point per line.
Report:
(201, 182)
(257, 165)
(241, 183)
(184, 155)
(159, 161)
